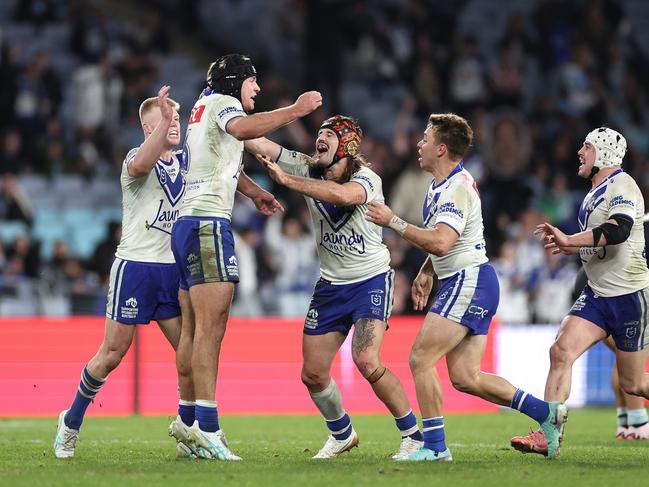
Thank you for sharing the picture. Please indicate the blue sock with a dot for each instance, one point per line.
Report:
(88, 388)
(341, 428)
(187, 411)
(531, 406)
(408, 426)
(434, 437)
(207, 416)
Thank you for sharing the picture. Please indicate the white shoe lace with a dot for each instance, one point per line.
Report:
(408, 446)
(221, 448)
(68, 439)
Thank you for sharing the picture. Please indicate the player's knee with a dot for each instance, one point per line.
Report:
(112, 358)
(630, 386)
(560, 355)
(314, 380)
(418, 360)
(367, 363)
(184, 366)
(464, 381)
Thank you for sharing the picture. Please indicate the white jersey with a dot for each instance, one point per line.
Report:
(351, 249)
(620, 269)
(455, 202)
(149, 209)
(215, 157)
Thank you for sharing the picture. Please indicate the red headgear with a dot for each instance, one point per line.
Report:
(349, 135)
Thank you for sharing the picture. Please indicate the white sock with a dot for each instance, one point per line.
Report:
(637, 417)
(329, 402)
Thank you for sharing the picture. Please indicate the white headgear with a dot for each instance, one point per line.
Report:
(610, 147)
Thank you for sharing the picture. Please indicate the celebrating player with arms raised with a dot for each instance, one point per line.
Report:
(356, 287)
(202, 239)
(144, 278)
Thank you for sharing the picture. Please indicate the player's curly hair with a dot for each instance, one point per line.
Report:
(453, 131)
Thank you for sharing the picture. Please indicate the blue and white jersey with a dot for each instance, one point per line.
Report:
(351, 249)
(620, 269)
(149, 209)
(455, 202)
(216, 157)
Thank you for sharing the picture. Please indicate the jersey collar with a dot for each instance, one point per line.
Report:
(455, 170)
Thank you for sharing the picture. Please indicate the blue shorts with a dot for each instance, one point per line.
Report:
(139, 292)
(336, 307)
(469, 297)
(624, 317)
(204, 251)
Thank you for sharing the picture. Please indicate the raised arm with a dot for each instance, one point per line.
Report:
(149, 152)
(260, 124)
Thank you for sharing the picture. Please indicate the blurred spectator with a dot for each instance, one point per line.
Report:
(22, 258)
(14, 203)
(104, 254)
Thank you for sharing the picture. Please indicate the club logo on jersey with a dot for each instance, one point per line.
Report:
(588, 206)
(132, 302)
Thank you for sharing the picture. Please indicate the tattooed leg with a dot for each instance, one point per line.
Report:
(366, 351)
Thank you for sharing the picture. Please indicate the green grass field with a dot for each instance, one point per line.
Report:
(276, 451)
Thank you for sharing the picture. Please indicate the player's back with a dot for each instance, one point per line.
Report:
(620, 269)
(455, 202)
(150, 207)
(215, 157)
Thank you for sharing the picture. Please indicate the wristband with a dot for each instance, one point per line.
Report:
(398, 225)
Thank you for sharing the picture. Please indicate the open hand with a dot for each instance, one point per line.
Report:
(379, 213)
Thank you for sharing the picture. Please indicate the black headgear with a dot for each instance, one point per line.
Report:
(227, 73)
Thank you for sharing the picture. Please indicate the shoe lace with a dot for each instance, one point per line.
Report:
(406, 446)
(69, 439)
(329, 446)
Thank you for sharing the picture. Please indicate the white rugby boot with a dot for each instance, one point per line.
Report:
(408, 446)
(213, 443)
(185, 448)
(333, 447)
(65, 440)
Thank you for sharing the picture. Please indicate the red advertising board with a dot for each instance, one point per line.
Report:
(41, 361)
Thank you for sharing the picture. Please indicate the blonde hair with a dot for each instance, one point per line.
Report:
(150, 103)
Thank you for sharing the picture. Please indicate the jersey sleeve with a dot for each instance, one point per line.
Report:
(623, 199)
(453, 207)
(370, 182)
(294, 162)
(225, 109)
(126, 177)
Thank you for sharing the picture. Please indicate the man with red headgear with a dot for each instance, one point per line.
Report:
(356, 284)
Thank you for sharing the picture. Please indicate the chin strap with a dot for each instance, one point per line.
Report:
(593, 171)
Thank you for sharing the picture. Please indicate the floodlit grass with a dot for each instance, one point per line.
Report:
(277, 449)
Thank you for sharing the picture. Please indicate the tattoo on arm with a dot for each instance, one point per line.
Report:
(363, 335)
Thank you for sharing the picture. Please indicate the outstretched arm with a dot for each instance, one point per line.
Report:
(263, 146)
(149, 152)
(437, 240)
(260, 124)
(346, 194)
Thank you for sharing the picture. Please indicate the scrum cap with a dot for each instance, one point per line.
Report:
(610, 147)
(227, 73)
(349, 135)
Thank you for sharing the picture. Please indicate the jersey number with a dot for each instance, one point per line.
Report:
(197, 113)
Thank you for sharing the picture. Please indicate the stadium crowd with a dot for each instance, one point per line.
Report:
(532, 85)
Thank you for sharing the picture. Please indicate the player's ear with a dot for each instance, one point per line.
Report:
(146, 128)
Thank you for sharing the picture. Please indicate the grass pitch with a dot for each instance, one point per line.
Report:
(276, 450)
